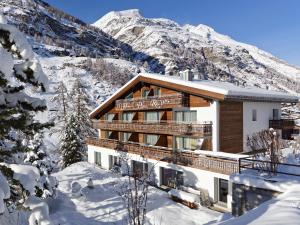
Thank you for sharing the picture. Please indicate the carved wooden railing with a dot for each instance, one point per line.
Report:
(153, 102)
(162, 127)
(190, 159)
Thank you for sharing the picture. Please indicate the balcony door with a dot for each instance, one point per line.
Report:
(186, 116)
(188, 143)
(151, 139)
(152, 116)
(127, 117)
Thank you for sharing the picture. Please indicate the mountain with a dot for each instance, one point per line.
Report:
(53, 32)
(213, 55)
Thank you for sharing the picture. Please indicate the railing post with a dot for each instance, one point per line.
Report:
(239, 165)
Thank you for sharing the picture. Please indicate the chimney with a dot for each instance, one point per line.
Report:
(186, 75)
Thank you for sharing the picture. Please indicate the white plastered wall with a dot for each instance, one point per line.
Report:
(264, 114)
(192, 177)
(210, 114)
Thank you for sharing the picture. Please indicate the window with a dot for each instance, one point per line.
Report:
(97, 158)
(125, 136)
(276, 114)
(110, 117)
(129, 96)
(127, 116)
(171, 178)
(157, 92)
(186, 116)
(108, 134)
(222, 190)
(145, 93)
(152, 116)
(139, 168)
(114, 161)
(186, 143)
(254, 115)
(151, 139)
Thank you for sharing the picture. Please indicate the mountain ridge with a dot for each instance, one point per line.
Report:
(200, 47)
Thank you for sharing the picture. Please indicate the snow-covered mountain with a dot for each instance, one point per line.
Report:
(53, 32)
(199, 47)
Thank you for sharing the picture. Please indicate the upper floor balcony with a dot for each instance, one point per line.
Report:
(282, 124)
(184, 158)
(156, 127)
(152, 102)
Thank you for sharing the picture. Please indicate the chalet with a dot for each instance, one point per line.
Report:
(191, 132)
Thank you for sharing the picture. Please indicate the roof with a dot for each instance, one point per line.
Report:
(211, 89)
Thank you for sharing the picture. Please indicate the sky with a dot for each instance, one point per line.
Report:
(272, 25)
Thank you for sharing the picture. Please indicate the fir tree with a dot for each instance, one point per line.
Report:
(72, 146)
(38, 157)
(19, 71)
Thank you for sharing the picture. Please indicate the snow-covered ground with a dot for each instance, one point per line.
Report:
(102, 205)
(281, 210)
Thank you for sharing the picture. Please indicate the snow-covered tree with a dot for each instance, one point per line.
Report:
(72, 147)
(38, 157)
(80, 101)
(62, 107)
(20, 76)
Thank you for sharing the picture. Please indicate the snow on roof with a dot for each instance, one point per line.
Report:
(279, 183)
(230, 91)
(281, 210)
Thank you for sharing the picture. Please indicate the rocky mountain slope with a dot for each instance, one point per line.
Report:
(214, 55)
(58, 33)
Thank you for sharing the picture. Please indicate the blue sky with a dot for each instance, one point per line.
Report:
(272, 25)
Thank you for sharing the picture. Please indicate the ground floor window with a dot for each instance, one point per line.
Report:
(97, 156)
(114, 161)
(139, 169)
(221, 190)
(171, 178)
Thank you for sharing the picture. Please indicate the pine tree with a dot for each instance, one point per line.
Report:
(19, 71)
(72, 147)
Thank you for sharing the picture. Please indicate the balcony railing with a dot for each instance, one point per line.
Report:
(282, 124)
(190, 159)
(153, 102)
(161, 127)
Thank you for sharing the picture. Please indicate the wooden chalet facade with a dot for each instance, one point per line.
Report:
(193, 130)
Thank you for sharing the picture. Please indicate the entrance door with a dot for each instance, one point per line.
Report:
(221, 189)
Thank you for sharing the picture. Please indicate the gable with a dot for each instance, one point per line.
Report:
(139, 83)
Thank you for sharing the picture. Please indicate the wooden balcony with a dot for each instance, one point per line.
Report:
(162, 127)
(153, 102)
(190, 159)
(282, 124)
